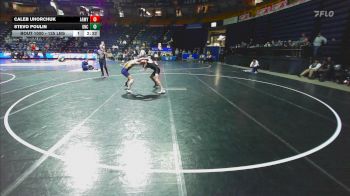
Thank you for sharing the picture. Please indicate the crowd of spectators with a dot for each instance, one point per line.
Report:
(31, 47)
(312, 47)
(122, 43)
(327, 70)
(302, 42)
(130, 42)
(322, 67)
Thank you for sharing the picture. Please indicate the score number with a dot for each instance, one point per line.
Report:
(78, 33)
(91, 33)
(86, 33)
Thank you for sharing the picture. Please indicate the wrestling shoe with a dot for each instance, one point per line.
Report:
(162, 91)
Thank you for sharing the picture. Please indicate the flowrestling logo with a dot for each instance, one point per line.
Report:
(324, 13)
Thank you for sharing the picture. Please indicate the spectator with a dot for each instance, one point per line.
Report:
(347, 77)
(251, 42)
(201, 58)
(85, 65)
(274, 43)
(209, 57)
(29, 51)
(254, 65)
(115, 48)
(304, 41)
(318, 42)
(312, 69)
(33, 46)
(290, 44)
(267, 45)
(176, 52)
(156, 56)
(142, 53)
(243, 44)
(326, 72)
(339, 73)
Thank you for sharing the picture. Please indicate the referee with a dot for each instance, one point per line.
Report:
(102, 59)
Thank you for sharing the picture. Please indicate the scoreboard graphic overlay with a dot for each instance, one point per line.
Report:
(56, 26)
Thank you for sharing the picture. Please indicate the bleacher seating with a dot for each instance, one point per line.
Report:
(288, 24)
(275, 26)
(149, 36)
